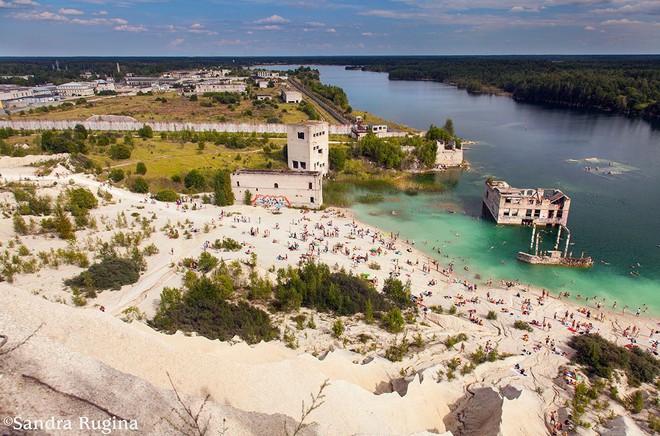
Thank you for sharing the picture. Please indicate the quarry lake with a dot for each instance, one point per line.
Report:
(614, 217)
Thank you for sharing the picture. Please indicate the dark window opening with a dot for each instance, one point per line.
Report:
(276, 185)
(303, 165)
(310, 185)
(301, 135)
(311, 199)
(295, 164)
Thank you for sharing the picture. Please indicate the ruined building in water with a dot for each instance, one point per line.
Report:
(539, 206)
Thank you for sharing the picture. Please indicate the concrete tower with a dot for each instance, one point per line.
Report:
(307, 146)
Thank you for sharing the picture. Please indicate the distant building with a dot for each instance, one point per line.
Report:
(263, 83)
(75, 89)
(204, 87)
(148, 80)
(14, 92)
(291, 96)
(279, 188)
(359, 130)
(509, 205)
(264, 97)
(307, 146)
(448, 155)
(104, 85)
(265, 74)
(14, 97)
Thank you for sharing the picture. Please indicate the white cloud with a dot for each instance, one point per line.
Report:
(17, 3)
(70, 11)
(400, 15)
(202, 31)
(517, 9)
(331, 30)
(100, 21)
(270, 27)
(627, 22)
(272, 19)
(40, 16)
(101, 13)
(197, 26)
(127, 28)
(177, 42)
(589, 28)
(315, 24)
(225, 42)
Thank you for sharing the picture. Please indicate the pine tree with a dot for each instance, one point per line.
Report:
(222, 188)
(369, 312)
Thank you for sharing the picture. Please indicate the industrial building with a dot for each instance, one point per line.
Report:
(290, 96)
(539, 206)
(307, 146)
(279, 188)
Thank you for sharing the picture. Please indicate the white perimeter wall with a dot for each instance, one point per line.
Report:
(334, 129)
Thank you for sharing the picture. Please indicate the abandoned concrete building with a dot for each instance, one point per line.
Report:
(279, 188)
(539, 206)
(307, 146)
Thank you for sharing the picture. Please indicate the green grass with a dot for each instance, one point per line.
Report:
(177, 108)
(167, 158)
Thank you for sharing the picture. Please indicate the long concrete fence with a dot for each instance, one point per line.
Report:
(159, 126)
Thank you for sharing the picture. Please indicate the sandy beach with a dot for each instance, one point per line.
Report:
(367, 394)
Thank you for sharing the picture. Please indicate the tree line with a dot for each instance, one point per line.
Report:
(620, 84)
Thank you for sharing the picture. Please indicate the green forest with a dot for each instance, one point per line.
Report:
(620, 84)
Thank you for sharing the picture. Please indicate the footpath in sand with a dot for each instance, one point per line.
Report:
(273, 380)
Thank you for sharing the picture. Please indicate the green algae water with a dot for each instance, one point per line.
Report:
(615, 211)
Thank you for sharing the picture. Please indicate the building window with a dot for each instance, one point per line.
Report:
(295, 164)
(238, 183)
(301, 135)
(303, 165)
(311, 199)
(320, 150)
(528, 213)
(276, 186)
(310, 185)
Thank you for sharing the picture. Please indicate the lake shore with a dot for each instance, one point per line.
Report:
(367, 393)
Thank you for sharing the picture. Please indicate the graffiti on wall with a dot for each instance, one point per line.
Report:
(271, 200)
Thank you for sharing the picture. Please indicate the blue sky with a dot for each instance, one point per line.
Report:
(327, 27)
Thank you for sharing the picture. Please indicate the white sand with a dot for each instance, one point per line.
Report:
(271, 378)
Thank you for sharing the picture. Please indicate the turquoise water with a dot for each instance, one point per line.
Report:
(613, 218)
